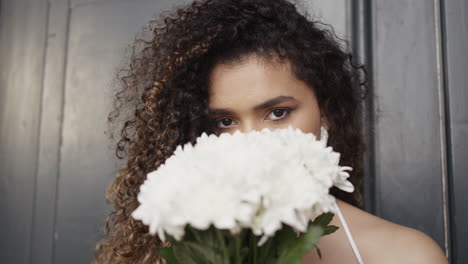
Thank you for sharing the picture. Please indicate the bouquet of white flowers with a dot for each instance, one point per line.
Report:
(243, 197)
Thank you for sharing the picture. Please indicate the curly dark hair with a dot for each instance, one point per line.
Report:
(165, 95)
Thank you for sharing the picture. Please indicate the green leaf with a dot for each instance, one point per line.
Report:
(168, 255)
(209, 237)
(318, 251)
(193, 234)
(204, 254)
(183, 254)
(293, 251)
(329, 229)
(171, 239)
(285, 235)
(323, 219)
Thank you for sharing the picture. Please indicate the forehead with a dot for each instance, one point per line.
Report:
(253, 80)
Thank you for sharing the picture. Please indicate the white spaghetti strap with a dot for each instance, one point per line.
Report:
(348, 234)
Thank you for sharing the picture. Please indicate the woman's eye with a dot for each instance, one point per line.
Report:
(275, 115)
(278, 114)
(224, 121)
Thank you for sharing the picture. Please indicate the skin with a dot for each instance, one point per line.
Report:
(236, 90)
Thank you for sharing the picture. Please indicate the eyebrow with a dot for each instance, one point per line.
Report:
(264, 105)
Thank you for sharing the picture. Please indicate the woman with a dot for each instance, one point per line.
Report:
(224, 65)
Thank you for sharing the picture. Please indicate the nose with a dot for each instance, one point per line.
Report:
(248, 126)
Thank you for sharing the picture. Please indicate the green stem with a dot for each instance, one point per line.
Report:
(238, 242)
(223, 245)
(254, 249)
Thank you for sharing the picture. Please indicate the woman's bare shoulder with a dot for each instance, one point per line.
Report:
(382, 241)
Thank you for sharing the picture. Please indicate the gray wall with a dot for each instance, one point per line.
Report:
(58, 60)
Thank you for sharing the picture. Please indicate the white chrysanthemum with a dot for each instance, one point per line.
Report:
(256, 180)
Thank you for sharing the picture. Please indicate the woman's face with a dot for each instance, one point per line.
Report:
(254, 95)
